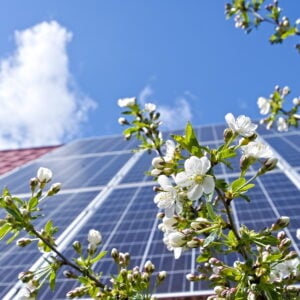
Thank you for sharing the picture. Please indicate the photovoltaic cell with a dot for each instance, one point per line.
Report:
(126, 217)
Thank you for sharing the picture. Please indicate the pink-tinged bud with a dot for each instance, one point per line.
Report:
(218, 289)
(281, 235)
(285, 243)
(291, 255)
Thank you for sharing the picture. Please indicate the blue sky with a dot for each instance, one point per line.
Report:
(182, 55)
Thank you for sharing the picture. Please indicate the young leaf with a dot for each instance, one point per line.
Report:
(4, 230)
(98, 257)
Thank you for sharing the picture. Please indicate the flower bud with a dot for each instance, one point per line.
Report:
(194, 243)
(115, 254)
(123, 121)
(44, 175)
(285, 243)
(69, 274)
(285, 91)
(296, 101)
(33, 183)
(281, 235)
(155, 172)
(281, 223)
(77, 246)
(123, 273)
(161, 276)
(191, 277)
(228, 134)
(218, 289)
(26, 276)
(23, 242)
(268, 165)
(149, 267)
(157, 162)
(54, 189)
(291, 255)
(145, 276)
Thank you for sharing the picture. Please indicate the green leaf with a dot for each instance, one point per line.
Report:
(33, 202)
(245, 197)
(52, 279)
(12, 238)
(210, 238)
(289, 32)
(48, 226)
(204, 257)
(246, 187)
(226, 153)
(210, 211)
(98, 257)
(236, 185)
(191, 141)
(4, 230)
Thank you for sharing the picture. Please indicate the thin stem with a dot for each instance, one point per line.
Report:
(231, 222)
(66, 261)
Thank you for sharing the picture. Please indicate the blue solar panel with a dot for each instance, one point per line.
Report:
(126, 217)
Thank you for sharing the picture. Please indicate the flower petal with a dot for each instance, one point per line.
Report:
(177, 252)
(183, 180)
(205, 165)
(208, 184)
(195, 192)
(164, 181)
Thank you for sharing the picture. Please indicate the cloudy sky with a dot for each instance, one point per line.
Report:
(63, 66)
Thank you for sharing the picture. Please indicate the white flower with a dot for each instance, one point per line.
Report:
(296, 101)
(127, 102)
(257, 150)
(170, 150)
(44, 175)
(94, 238)
(122, 121)
(168, 198)
(167, 224)
(241, 125)
(281, 124)
(285, 269)
(297, 22)
(150, 107)
(263, 105)
(298, 234)
(194, 177)
(285, 91)
(174, 240)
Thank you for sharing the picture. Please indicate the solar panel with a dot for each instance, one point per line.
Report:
(102, 177)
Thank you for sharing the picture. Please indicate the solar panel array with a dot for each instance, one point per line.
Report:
(105, 188)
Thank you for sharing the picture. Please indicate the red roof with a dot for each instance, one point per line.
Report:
(10, 159)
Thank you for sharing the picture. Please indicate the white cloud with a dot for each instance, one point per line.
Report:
(39, 104)
(175, 117)
(145, 93)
